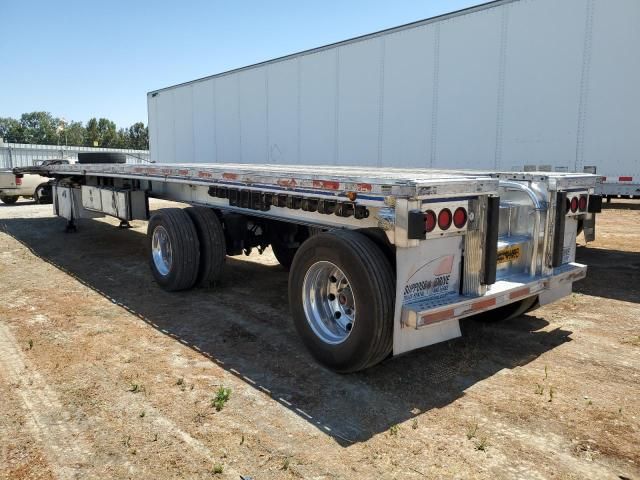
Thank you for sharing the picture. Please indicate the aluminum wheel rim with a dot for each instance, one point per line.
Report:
(161, 251)
(329, 302)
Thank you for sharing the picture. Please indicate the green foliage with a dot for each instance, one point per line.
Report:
(222, 396)
(45, 129)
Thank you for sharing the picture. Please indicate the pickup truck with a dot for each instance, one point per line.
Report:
(13, 186)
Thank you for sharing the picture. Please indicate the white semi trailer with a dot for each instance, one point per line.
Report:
(512, 85)
(382, 260)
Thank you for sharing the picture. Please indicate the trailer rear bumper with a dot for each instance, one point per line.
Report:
(453, 307)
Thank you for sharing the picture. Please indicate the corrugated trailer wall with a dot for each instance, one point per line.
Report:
(524, 82)
(26, 154)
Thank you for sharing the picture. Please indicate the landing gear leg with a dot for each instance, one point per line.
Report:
(124, 224)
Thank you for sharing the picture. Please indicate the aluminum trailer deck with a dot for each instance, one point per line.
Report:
(382, 261)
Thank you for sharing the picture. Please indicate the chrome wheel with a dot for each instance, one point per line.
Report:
(329, 303)
(161, 251)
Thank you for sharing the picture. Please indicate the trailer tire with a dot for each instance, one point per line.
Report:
(284, 254)
(369, 288)
(213, 251)
(102, 157)
(9, 199)
(173, 248)
(42, 195)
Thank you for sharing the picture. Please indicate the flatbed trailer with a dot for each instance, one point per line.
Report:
(382, 261)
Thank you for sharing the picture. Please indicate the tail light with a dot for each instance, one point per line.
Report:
(444, 219)
(582, 203)
(18, 180)
(460, 217)
(429, 221)
(574, 204)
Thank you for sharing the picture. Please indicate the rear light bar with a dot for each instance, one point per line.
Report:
(444, 219)
(429, 221)
(576, 203)
(582, 203)
(460, 217)
(448, 218)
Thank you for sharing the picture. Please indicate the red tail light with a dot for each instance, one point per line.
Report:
(582, 203)
(18, 180)
(429, 221)
(460, 217)
(574, 204)
(444, 219)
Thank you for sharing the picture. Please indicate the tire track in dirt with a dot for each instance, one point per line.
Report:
(65, 448)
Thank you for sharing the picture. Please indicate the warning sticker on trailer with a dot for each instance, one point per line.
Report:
(509, 254)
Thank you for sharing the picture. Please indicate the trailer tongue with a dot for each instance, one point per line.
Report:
(381, 260)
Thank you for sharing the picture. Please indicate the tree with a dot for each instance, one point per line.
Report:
(107, 132)
(138, 136)
(39, 127)
(74, 133)
(91, 134)
(43, 128)
(11, 131)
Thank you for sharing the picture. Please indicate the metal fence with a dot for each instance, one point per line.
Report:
(24, 154)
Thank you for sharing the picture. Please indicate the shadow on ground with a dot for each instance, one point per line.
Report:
(611, 273)
(244, 325)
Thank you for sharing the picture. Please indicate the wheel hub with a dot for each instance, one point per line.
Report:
(329, 302)
(161, 251)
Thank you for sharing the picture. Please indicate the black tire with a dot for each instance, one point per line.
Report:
(373, 284)
(42, 195)
(283, 254)
(513, 310)
(185, 248)
(101, 157)
(279, 244)
(213, 250)
(9, 199)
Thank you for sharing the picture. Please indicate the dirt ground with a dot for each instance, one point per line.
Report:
(104, 375)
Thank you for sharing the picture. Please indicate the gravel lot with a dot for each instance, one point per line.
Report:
(104, 375)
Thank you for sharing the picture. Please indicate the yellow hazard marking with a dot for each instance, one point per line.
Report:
(508, 254)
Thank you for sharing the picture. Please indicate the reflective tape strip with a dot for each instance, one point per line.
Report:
(625, 179)
(326, 184)
(430, 318)
(523, 292)
(482, 304)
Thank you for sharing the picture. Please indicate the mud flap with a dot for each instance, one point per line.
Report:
(429, 272)
(589, 227)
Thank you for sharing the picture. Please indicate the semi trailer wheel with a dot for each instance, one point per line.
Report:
(283, 239)
(174, 249)
(9, 199)
(42, 194)
(341, 294)
(213, 250)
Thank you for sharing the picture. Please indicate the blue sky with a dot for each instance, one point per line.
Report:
(79, 59)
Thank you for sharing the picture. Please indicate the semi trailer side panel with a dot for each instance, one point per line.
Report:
(510, 85)
(612, 112)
